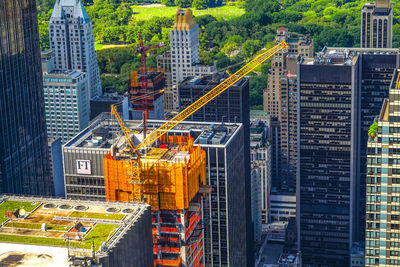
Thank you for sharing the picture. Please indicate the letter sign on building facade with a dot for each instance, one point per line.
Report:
(83, 167)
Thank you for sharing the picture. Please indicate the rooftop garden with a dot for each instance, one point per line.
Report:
(99, 234)
(14, 206)
(94, 215)
(36, 226)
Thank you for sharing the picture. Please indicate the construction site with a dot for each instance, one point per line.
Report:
(173, 182)
(75, 233)
(165, 169)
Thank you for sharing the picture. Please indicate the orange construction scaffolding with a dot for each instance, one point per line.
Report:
(171, 175)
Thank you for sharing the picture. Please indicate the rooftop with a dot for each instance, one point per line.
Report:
(103, 132)
(82, 225)
(108, 98)
(288, 259)
(64, 74)
(78, 11)
(210, 80)
(184, 20)
(345, 55)
(259, 113)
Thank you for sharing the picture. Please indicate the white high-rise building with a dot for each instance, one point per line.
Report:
(71, 39)
(185, 53)
(66, 100)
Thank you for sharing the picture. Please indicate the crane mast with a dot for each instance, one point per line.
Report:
(142, 50)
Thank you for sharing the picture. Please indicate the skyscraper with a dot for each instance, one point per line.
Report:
(377, 67)
(376, 24)
(66, 100)
(71, 39)
(328, 152)
(24, 162)
(382, 235)
(231, 106)
(184, 58)
(280, 101)
(371, 72)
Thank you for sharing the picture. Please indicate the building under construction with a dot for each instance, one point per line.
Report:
(224, 165)
(146, 94)
(166, 170)
(172, 181)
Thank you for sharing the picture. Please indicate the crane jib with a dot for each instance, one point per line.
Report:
(220, 88)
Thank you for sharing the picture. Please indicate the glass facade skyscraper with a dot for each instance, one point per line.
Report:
(24, 164)
(327, 112)
(382, 235)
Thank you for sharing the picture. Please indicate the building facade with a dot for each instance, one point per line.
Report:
(56, 166)
(383, 201)
(280, 101)
(328, 110)
(66, 101)
(100, 104)
(377, 24)
(71, 39)
(231, 106)
(224, 216)
(184, 57)
(24, 162)
(370, 80)
(260, 153)
(377, 67)
(164, 62)
(256, 203)
(282, 207)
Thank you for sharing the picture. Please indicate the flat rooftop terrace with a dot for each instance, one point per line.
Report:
(103, 132)
(62, 223)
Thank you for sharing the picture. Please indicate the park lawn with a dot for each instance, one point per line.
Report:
(97, 235)
(98, 46)
(93, 215)
(13, 206)
(220, 13)
(37, 226)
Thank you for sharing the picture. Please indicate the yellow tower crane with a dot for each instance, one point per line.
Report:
(220, 88)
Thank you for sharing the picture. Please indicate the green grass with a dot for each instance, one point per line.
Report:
(221, 13)
(98, 46)
(36, 226)
(98, 234)
(93, 215)
(32, 240)
(13, 206)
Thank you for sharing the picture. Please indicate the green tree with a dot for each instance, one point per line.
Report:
(199, 4)
(168, 2)
(251, 47)
(183, 3)
(229, 48)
